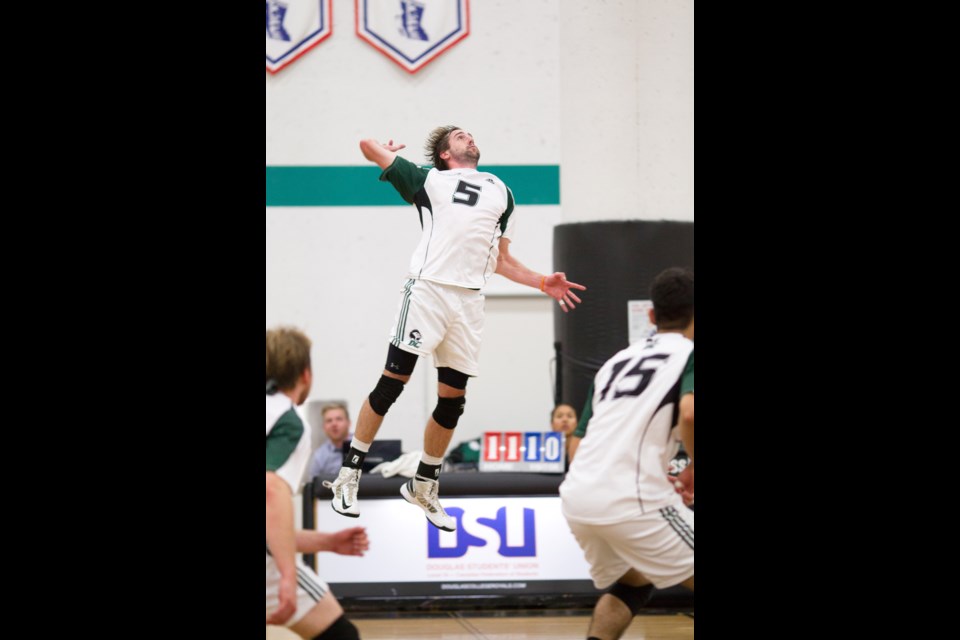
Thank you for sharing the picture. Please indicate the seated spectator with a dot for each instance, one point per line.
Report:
(564, 418)
(328, 458)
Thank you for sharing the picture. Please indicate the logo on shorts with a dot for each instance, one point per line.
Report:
(414, 338)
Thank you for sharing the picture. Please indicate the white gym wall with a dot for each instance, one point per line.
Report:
(602, 89)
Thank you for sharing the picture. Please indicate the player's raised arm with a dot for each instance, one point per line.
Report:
(381, 154)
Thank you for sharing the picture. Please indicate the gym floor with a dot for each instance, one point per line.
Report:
(657, 624)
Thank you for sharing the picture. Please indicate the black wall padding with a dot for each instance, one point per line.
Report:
(617, 261)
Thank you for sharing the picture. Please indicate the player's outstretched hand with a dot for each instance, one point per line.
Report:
(559, 288)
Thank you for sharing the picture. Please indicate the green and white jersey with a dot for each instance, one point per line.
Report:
(463, 213)
(288, 442)
(620, 470)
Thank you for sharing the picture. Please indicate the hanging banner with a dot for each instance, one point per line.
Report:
(294, 27)
(412, 32)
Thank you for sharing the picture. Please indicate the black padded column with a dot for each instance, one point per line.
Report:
(617, 261)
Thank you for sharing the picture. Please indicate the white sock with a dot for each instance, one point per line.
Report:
(430, 460)
(359, 445)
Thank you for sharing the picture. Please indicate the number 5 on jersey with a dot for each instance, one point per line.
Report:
(467, 193)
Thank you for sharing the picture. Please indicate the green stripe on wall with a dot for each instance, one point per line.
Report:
(360, 186)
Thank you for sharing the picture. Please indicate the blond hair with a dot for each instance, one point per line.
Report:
(334, 405)
(288, 356)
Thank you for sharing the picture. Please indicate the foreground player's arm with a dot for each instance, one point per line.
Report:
(380, 154)
(685, 488)
(686, 407)
(554, 285)
(347, 542)
(686, 424)
(282, 545)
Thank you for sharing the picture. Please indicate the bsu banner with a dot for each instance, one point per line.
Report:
(294, 27)
(412, 32)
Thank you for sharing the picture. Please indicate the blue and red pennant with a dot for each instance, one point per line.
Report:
(412, 33)
(294, 27)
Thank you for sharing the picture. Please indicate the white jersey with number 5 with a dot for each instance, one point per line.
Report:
(620, 469)
(463, 213)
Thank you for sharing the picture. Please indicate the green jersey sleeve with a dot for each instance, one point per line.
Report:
(686, 381)
(282, 439)
(585, 415)
(406, 177)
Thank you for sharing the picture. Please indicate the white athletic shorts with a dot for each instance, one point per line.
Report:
(310, 589)
(440, 320)
(659, 545)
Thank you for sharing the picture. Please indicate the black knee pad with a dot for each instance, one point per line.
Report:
(341, 629)
(634, 597)
(385, 394)
(452, 377)
(448, 411)
(399, 361)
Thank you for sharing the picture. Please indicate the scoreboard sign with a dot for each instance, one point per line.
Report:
(536, 451)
